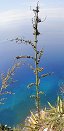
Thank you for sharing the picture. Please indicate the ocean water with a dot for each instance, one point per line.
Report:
(17, 107)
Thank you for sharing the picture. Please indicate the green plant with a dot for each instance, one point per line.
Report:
(55, 116)
(36, 58)
(36, 69)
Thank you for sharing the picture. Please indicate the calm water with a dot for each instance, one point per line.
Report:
(17, 107)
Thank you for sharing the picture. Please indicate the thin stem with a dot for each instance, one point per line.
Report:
(36, 62)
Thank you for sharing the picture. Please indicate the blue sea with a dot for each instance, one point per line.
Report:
(17, 107)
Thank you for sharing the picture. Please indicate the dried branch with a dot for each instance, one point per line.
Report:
(31, 84)
(47, 74)
(18, 57)
(40, 54)
(5, 79)
(21, 40)
(41, 92)
(7, 92)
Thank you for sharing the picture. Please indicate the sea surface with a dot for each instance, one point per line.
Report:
(17, 107)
